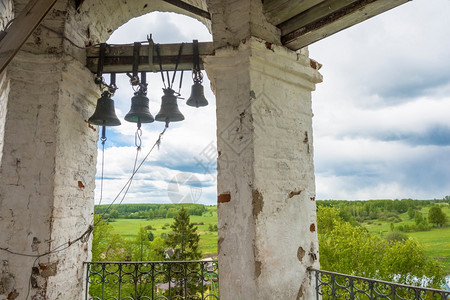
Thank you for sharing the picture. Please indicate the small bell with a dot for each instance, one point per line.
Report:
(104, 113)
(169, 108)
(197, 97)
(139, 111)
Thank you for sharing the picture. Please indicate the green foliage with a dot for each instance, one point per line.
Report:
(395, 236)
(147, 211)
(141, 245)
(183, 238)
(411, 212)
(326, 217)
(150, 236)
(108, 245)
(353, 250)
(437, 216)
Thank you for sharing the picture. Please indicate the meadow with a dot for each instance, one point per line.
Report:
(129, 228)
(436, 242)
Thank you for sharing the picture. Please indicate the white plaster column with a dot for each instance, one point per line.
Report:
(47, 172)
(266, 190)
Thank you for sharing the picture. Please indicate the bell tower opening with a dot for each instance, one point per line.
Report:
(183, 169)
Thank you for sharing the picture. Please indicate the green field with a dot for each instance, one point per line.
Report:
(128, 228)
(435, 242)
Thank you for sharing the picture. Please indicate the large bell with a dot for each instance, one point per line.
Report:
(104, 113)
(169, 108)
(197, 97)
(139, 111)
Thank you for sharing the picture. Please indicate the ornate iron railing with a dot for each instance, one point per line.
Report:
(331, 285)
(152, 280)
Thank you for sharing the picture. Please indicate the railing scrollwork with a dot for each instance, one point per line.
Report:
(331, 285)
(152, 280)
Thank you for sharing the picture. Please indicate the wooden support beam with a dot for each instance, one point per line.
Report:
(119, 58)
(336, 21)
(313, 14)
(21, 28)
(190, 8)
(278, 11)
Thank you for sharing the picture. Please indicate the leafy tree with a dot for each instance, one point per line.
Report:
(150, 236)
(157, 248)
(395, 236)
(418, 218)
(183, 237)
(325, 218)
(353, 250)
(142, 245)
(107, 245)
(411, 212)
(437, 216)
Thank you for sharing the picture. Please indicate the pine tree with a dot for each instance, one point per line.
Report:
(183, 238)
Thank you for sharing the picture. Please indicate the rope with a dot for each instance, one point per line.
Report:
(157, 143)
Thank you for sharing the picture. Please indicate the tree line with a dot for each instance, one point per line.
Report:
(146, 211)
(357, 212)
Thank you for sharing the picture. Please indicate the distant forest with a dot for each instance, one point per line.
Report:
(146, 211)
(357, 212)
(352, 211)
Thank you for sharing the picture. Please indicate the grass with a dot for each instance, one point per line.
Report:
(128, 228)
(435, 242)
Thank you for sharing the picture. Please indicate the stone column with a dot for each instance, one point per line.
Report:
(47, 172)
(266, 190)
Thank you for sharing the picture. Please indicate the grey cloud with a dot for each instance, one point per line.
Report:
(437, 135)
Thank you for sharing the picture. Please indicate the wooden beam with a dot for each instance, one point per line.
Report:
(119, 58)
(278, 11)
(314, 13)
(21, 28)
(190, 8)
(348, 16)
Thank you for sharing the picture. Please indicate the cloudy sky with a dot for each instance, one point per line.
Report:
(381, 116)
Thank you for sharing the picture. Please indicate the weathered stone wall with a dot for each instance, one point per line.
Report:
(47, 168)
(235, 20)
(100, 18)
(266, 202)
(267, 229)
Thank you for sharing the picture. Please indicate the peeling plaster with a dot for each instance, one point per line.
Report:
(223, 198)
(300, 293)
(300, 253)
(257, 268)
(295, 192)
(48, 270)
(257, 202)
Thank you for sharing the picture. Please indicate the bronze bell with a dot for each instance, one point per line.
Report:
(169, 108)
(139, 111)
(197, 97)
(104, 113)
